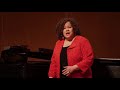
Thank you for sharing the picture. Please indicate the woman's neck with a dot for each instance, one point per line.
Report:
(70, 40)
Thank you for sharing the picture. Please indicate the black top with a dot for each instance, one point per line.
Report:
(63, 61)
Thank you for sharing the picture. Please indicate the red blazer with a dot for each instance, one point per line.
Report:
(79, 52)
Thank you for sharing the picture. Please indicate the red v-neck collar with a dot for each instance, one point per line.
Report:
(73, 44)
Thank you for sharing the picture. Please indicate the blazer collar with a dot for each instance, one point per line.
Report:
(73, 43)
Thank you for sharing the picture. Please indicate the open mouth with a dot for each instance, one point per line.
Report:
(68, 33)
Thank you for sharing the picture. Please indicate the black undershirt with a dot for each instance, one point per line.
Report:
(63, 61)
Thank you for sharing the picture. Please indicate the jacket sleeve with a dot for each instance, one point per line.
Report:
(52, 68)
(88, 56)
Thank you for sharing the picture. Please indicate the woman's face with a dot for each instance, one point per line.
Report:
(68, 31)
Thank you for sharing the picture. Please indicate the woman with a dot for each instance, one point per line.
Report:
(73, 55)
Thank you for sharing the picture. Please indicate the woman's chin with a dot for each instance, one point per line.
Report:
(67, 37)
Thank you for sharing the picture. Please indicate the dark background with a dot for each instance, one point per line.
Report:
(37, 30)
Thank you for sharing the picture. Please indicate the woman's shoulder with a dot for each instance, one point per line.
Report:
(59, 41)
(81, 38)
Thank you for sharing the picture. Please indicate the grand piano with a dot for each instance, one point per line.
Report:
(20, 62)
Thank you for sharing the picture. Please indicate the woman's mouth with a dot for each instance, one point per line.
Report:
(68, 33)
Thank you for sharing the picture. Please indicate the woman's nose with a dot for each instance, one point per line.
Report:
(67, 29)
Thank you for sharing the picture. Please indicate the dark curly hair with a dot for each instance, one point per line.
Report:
(60, 27)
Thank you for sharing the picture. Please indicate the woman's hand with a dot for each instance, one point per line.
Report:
(50, 77)
(69, 69)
